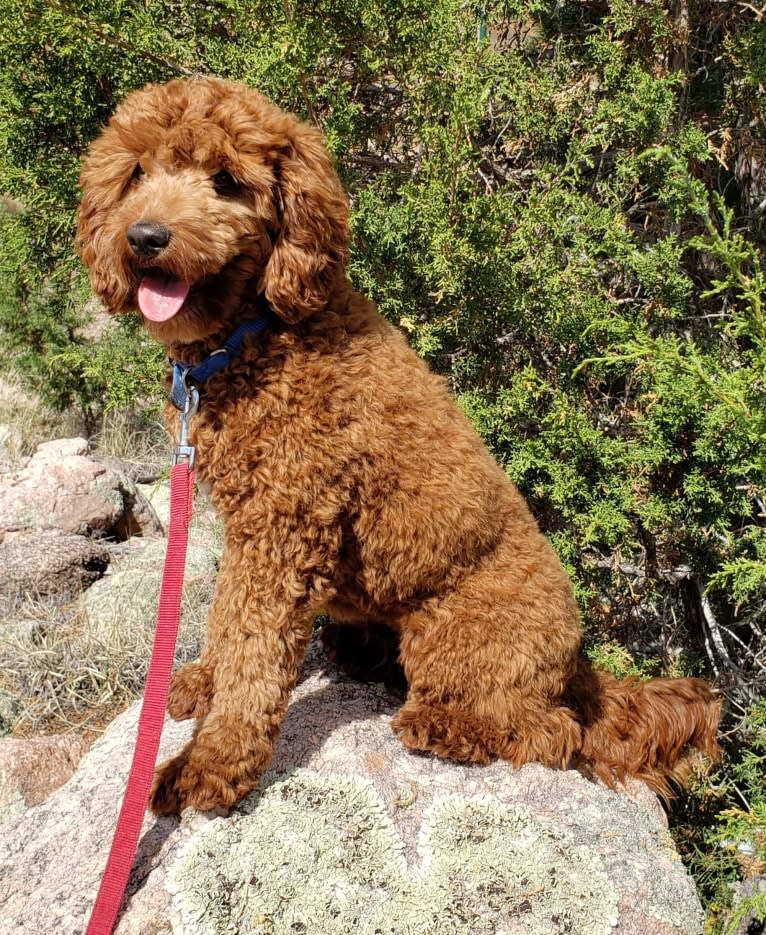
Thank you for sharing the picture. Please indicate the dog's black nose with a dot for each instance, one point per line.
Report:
(148, 238)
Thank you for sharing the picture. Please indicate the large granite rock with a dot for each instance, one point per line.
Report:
(61, 487)
(349, 832)
(31, 768)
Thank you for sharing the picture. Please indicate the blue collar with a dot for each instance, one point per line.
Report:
(213, 363)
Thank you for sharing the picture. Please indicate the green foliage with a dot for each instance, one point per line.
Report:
(560, 203)
(614, 657)
(734, 845)
(748, 773)
(123, 364)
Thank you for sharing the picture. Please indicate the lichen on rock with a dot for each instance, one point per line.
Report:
(350, 832)
(311, 853)
(315, 855)
(499, 865)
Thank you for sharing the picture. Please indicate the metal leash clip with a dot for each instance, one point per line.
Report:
(183, 450)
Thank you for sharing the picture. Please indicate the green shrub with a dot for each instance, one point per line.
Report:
(723, 845)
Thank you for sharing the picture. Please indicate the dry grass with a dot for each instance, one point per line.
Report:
(63, 673)
(30, 421)
(136, 438)
(139, 441)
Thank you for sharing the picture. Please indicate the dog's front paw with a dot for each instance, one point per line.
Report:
(164, 799)
(183, 782)
(191, 691)
(215, 770)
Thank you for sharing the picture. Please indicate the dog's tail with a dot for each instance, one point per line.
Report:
(643, 728)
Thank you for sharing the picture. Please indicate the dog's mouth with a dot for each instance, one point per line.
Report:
(161, 295)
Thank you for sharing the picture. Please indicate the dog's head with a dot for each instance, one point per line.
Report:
(200, 196)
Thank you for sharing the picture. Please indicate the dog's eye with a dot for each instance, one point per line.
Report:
(137, 173)
(224, 184)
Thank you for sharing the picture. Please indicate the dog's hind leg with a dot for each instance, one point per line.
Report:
(486, 674)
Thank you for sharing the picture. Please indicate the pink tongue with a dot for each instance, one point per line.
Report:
(161, 296)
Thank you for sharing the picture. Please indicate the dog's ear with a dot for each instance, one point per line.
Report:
(311, 247)
(101, 181)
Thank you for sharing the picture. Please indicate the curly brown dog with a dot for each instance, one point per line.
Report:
(347, 479)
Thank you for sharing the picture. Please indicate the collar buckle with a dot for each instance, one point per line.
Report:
(214, 362)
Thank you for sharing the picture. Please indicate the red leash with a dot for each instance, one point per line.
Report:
(150, 722)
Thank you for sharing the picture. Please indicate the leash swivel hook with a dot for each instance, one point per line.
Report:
(183, 450)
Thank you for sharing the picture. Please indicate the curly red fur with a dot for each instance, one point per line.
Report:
(347, 479)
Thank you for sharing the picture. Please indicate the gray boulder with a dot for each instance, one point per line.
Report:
(126, 599)
(349, 832)
(50, 563)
